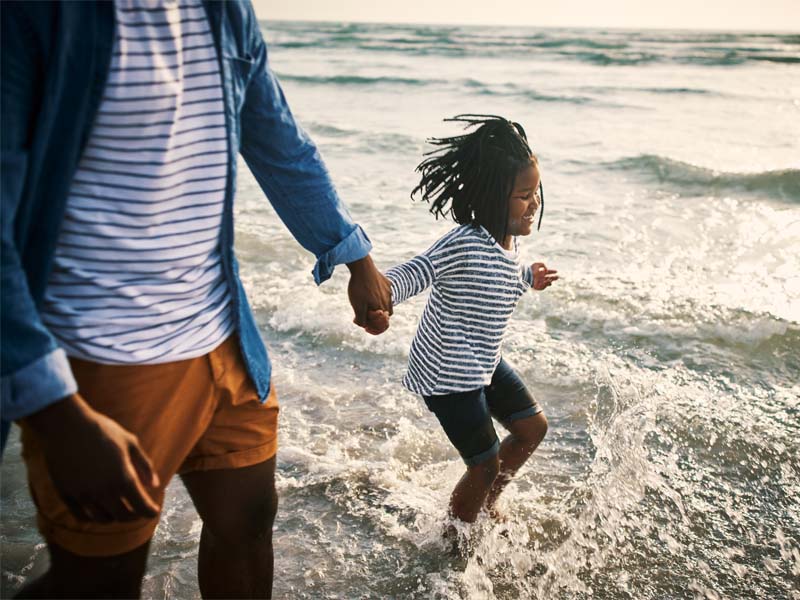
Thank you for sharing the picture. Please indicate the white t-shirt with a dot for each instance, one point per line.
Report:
(137, 275)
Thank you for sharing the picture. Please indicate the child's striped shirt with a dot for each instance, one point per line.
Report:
(475, 288)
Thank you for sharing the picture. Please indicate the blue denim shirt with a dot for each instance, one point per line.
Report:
(55, 60)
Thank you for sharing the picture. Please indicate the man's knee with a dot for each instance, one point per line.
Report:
(246, 524)
(263, 515)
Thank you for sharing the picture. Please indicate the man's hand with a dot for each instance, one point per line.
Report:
(377, 321)
(542, 276)
(97, 466)
(369, 290)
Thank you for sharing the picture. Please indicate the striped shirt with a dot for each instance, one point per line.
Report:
(137, 274)
(476, 285)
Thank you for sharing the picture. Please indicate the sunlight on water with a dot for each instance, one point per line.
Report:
(666, 358)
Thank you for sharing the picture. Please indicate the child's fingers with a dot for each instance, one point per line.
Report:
(377, 321)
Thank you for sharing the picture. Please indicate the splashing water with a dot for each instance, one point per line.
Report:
(666, 357)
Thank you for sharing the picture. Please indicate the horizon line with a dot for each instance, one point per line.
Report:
(516, 26)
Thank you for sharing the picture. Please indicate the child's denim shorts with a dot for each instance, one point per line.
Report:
(467, 416)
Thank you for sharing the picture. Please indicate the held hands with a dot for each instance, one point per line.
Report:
(377, 321)
(98, 468)
(370, 296)
(542, 276)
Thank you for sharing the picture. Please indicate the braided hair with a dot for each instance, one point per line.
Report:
(471, 176)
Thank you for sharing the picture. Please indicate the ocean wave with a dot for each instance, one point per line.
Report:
(630, 58)
(582, 51)
(356, 80)
(471, 85)
(583, 43)
(510, 89)
(674, 90)
(359, 140)
(622, 48)
(782, 184)
(777, 59)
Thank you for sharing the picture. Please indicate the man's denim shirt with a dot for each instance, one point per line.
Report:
(55, 60)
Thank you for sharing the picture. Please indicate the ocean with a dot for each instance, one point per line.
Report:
(667, 357)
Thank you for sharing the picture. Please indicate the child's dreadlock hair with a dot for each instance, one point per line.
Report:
(474, 173)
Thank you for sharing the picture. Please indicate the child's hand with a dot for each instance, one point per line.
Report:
(542, 276)
(377, 321)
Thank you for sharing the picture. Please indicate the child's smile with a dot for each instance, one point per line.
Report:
(524, 202)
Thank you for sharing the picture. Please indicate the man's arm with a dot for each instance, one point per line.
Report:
(97, 467)
(290, 170)
(35, 372)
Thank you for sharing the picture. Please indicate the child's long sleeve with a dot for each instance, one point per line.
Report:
(411, 278)
(527, 274)
(418, 274)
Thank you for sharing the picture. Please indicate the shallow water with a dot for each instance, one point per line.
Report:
(667, 357)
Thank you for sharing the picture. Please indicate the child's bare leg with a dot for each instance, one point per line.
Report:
(470, 492)
(525, 436)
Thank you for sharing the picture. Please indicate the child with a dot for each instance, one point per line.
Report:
(488, 180)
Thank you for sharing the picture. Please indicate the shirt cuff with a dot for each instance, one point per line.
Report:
(352, 248)
(37, 386)
(527, 275)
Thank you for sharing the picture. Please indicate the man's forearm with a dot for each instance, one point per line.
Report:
(362, 266)
(58, 416)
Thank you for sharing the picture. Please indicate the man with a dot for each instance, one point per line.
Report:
(129, 352)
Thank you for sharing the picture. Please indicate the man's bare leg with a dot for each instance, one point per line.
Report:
(238, 509)
(73, 576)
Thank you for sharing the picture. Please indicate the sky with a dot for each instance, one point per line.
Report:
(739, 15)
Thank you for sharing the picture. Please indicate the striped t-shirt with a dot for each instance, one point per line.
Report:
(476, 285)
(137, 274)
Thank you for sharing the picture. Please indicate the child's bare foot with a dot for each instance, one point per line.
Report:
(497, 515)
(450, 539)
(456, 540)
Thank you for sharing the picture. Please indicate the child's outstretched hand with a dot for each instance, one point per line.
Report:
(377, 321)
(542, 276)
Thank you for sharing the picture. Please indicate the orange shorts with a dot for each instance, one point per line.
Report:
(189, 415)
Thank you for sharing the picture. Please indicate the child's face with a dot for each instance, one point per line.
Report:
(524, 201)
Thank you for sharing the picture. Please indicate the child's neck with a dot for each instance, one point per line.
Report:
(508, 243)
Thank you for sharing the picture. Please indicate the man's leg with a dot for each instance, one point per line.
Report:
(168, 406)
(73, 576)
(238, 508)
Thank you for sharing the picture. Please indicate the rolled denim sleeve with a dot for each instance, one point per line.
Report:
(290, 170)
(34, 371)
(354, 246)
(38, 385)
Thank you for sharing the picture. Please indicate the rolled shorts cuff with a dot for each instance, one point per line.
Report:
(97, 543)
(483, 456)
(528, 412)
(233, 460)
